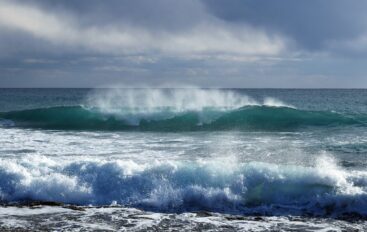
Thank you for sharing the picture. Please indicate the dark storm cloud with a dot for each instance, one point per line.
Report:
(312, 24)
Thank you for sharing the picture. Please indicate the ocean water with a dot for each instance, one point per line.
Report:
(184, 159)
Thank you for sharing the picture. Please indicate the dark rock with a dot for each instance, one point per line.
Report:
(203, 214)
(74, 207)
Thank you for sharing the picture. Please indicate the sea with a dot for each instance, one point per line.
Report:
(185, 159)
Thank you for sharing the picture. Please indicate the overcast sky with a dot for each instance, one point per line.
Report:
(178, 43)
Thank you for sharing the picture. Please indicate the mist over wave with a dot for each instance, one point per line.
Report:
(174, 110)
(177, 100)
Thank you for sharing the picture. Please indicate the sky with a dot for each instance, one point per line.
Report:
(180, 43)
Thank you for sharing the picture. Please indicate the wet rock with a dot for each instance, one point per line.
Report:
(74, 207)
(232, 218)
(203, 214)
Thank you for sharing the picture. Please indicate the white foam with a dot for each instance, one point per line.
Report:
(21, 211)
(57, 218)
(270, 101)
(177, 185)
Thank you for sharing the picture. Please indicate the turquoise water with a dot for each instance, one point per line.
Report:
(241, 151)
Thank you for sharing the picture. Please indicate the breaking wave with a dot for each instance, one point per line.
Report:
(177, 186)
(254, 117)
(174, 110)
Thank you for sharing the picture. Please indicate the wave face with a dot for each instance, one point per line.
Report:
(253, 117)
(180, 186)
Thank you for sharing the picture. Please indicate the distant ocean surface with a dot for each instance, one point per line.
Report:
(189, 159)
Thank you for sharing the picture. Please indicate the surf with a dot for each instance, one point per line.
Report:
(181, 186)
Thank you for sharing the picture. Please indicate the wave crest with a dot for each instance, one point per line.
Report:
(176, 100)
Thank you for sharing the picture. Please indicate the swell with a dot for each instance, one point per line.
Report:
(254, 117)
(248, 188)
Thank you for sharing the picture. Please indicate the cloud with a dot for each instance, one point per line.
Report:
(208, 35)
(313, 25)
(210, 43)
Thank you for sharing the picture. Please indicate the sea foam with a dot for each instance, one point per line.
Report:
(178, 186)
